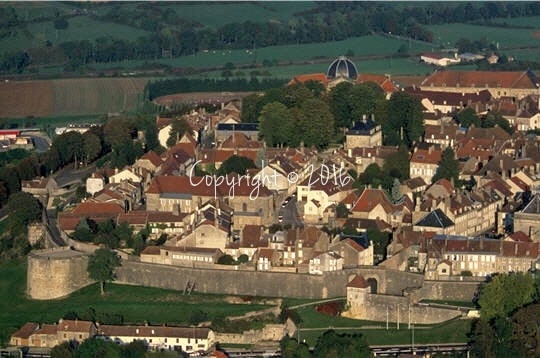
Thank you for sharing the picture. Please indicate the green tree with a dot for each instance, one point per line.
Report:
(468, 117)
(98, 348)
(101, 266)
(404, 121)
(505, 293)
(91, 147)
(226, 260)
(525, 331)
(275, 124)
(316, 123)
(135, 349)
(396, 191)
(23, 209)
(339, 99)
(380, 241)
(236, 164)
(179, 127)
(290, 348)
(448, 167)
(496, 119)
(64, 350)
(331, 344)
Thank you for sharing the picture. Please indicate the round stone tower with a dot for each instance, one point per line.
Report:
(55, 273)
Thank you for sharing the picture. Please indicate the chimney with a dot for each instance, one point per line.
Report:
(468, 242)
(430, 150)
(349, 153)
(501, 247)
(515, 248)
(481, 243)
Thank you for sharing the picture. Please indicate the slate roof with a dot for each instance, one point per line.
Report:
(435, 219)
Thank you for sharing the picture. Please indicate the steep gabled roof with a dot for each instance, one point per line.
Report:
(358, 282)
(435, 219)
(480, 79)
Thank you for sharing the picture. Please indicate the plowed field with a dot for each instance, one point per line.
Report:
(70, 96)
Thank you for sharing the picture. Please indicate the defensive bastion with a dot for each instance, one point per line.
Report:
(55, 273)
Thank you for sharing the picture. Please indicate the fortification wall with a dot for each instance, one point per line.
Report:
(399, 309)
(55, 273)
(446, 290)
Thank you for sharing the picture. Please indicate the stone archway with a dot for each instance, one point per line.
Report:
(373, 284)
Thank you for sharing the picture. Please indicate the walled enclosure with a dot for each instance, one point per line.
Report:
(399, 310)
(55, 273)
(266, 284)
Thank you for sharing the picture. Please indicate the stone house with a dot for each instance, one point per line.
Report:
(95, 183)
(528, 219)
(186, 339)
(353, 253)
(364, 133)
(424, 163)
(41, 188)
(325, 262)
(22, 336)
(125, 174)
(267, 258)
(181, 256)
(482, 257)
(499, 84)
(357, 290)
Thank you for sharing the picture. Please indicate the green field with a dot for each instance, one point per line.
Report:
(135, 304)
(449, 332)
(449, 34)
(360, 46)
(80, 28)
(218, 14)
(314, 323)
(531, 21)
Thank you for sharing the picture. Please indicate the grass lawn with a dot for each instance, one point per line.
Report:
(454, 331)
(449, 34)
(468, 304)
(135, 304)
(314, 324)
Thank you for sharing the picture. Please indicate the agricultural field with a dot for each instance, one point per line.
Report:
(216, 14)
(531, 21)
(360, 46)
(70, 96)
(507, 38)
(80, 28)
(135, 304)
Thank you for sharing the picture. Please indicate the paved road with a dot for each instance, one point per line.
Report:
(290, 214)
(68, 176)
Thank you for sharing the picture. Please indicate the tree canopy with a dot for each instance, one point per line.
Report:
(404, 122)
(101, 266)
(448, 167)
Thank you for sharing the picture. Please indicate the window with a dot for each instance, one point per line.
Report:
(80, 336)
(177, 340)
(165, 340)
(443, 270)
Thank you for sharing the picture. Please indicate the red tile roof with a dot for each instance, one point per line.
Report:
(383, 81)
(370, 198)
(25, 331)
(358, 282)
(480, 79)
(427, 156)
(74, 325)
(520, 236)
(152, 157)
(90, 208)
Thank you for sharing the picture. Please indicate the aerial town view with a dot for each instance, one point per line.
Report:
(296, 179)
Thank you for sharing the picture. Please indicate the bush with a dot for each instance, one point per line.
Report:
(466, 273)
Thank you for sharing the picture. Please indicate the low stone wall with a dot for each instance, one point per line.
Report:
(270, 333)
(445, 290)
(400, 310)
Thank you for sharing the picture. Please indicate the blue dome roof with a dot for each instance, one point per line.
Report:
(342, 67)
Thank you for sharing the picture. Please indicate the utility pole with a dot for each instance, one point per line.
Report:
(387, 317)
(397, 307)
(412, 345)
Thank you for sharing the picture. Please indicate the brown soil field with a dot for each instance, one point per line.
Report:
(26, 98)
(77, 96)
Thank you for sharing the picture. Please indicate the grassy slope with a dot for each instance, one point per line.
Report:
(136, 304)
(216, 14)
(451, 332)
(449, 34)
